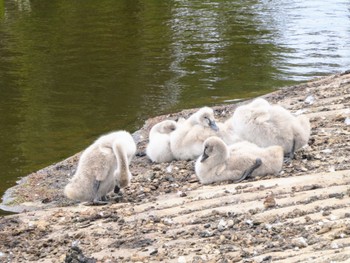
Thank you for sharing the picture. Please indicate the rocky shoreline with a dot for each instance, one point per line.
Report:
(166, 215)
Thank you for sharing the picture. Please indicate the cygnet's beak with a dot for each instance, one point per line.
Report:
(204, 157)
(213, 125)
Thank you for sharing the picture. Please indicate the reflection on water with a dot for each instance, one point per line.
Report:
(72, 70)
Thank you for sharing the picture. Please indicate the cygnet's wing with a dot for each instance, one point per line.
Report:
(99, 164)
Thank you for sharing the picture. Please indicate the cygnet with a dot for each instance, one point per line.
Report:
(219, 162)
(101, 167)
(266, 125)
(186, 141)
(158, 148)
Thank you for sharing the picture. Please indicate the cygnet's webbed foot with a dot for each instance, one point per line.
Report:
(97, 200)
(290, 156)
(116, 189)
(140, 154)
(247, 173)
(95, 203)
(116, 196)
(96, 186)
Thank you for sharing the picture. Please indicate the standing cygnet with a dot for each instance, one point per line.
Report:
(158, 148)
(186, 141)
(102, 166)
(217, 163)
(266, 125)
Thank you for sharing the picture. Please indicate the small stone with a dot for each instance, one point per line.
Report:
(222, 238)
(146, 190)
(222, 225)
(167, 221)
(327, 151)
(303, 169)
(206, 233)
(323, 230)
(169, 169)
(181, 259)
(326, 213)
(334, 245)
(309, 100)
(230, 223)
(300, 242)
(153, 252)
(333, 217)
(347, 121)
(181, 194)
(270, 201)
(249, 222)
(234, 237)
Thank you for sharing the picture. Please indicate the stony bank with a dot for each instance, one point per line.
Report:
(166, 215)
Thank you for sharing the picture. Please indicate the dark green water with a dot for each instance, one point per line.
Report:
(71, 70)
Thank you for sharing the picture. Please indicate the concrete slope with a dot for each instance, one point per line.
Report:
(302, 215)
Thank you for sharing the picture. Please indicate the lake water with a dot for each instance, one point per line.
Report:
(73, 70)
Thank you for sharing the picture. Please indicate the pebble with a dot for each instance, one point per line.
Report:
(146, 190)
(327, 151)
(309, 100)
(300, 242)
(153, 252)
(181, 259)
(230, 223)
(206, 233)
(249, 222)
(334, 245)
(222, 238)
(167, 221)
(181, 194)
(222, 225)
(270, 201)
(324, 229)
(347, 121)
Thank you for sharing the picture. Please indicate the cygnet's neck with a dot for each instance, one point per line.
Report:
(122, 160)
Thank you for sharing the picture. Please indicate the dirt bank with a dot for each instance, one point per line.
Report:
(167, 216)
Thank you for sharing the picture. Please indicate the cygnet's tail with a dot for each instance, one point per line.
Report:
(305, 123)
(274, 159)
(302, 131)
(71, 192)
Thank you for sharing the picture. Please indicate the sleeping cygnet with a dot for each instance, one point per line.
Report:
(186, 141)
(103, 166)
(227, 132)
(221, 163)
(158, 148)
(266, 125)
(271, 157)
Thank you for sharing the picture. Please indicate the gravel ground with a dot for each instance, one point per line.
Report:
(166, 215)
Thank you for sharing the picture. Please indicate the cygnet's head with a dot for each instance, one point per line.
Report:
(260, 102)
(167, 126)
(205, 116)
(214, 147)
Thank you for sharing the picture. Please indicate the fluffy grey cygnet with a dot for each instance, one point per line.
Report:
(227, 132)
(101, 167)
(237, 162)
(266, 125)
(186, 141)
(158, 148)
